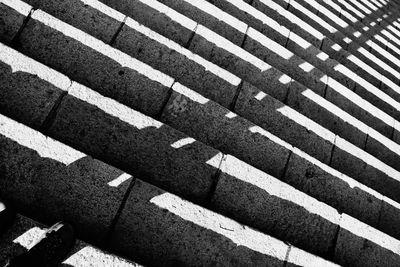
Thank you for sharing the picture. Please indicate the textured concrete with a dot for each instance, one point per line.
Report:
(162, 229)
(174, 60)
(29, 89)
(12, 15)
(25, 232)
(390, 218)
(382, 101)
(158, 17)
(224, 130)
(326, 114)
(384, 149)
(329, 186)
(211, 17)
(298, 257)
(284, 122)
(254, 18)
(259, 200)
(289, 20)
(91, 62)
(135, 143)
(49, 181)
(361, 245)
(231, 57)
(359, 108)
(365, 168)
(90, 16)
(272, 53)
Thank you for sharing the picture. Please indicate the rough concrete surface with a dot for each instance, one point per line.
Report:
(178, 62)
(50, 181)
(135, 143)
(365, 168)
(359, 245)
(240, 62)
(390, 218)
(211, 17)
(261, 201)
(25, 233)
(29, 89)
(329, 186)
(160, 228)
(224, 130)
(91, 62)
(12, 16)
(158, 17)
(284, 122)
(90, 16)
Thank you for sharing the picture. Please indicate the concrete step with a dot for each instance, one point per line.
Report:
(136, 227)
(210, 83)
(185, 104)
(203, 173)
(25, 233)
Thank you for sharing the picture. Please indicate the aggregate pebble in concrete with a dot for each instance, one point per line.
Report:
(29, 89)
(211, 17)
(224, 130)
(284, 122)
(329, 186)
(89, 16)
(240, 62)
(259, 200)
(91, 62)
(172, 59)
(50, 181)
(390, 218)
(12, 16)
(135, 143)
(160, 228)
(158, 17)
(361, 245)
(365, 168)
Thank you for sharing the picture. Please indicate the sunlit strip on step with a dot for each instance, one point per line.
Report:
(365, 231)
(112, 107)
(241, 5)
(339, 142)
(18, 5)
(352, 9)
(232, 48)
(21, 63)
(293, 18)
(389, 144)
(169, 12)
(46, 147)
(269, 44)
(360, 102)
(99, 46)
(314, 16)
(212, 10)
(368, 86)
(220, 72)
(322, 9)
(237, 233)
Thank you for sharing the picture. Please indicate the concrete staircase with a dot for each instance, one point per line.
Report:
(194, 132)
